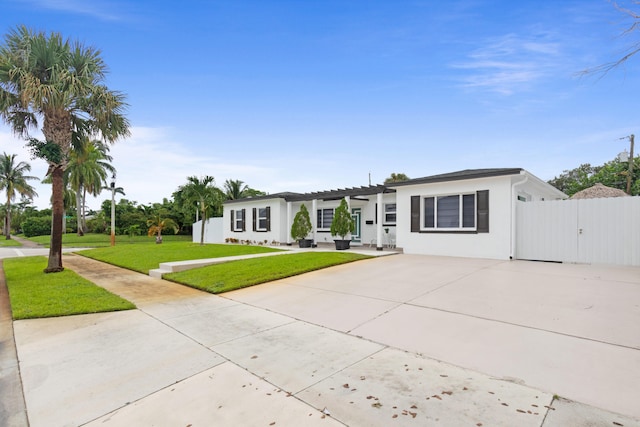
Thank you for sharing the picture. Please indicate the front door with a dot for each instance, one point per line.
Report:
(356, 214)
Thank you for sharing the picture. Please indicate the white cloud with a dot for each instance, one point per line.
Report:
(104, 10)
(151, 165)
(510, 63)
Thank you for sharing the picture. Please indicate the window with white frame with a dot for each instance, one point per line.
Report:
(449, 212)
(325, 217)
(238, 219)
(262, 219)
(389, 213)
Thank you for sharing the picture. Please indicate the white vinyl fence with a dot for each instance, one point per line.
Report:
(590, 231)
(212, 231)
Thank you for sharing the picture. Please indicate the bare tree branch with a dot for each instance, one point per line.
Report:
(633, 49)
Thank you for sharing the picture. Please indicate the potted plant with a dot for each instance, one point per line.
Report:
(342, 225)
(301, 227)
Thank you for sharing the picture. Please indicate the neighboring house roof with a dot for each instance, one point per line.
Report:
(321, 195)
(597, 191)
(459, 175)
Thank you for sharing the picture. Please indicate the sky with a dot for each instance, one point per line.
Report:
(312, 95)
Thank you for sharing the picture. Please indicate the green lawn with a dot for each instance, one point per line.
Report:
(4, 242)
(35, 294)
(143, 258)
(233, 275)
(102, 240)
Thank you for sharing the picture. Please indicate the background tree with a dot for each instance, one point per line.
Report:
(158, 223)
(574, 180)
(234, 189)
(612, 174)
(45, 78)
(87, 172)
(206, 197)
(14, 181)
(396, 177)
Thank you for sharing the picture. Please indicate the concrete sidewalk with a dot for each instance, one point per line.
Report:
(286, 353)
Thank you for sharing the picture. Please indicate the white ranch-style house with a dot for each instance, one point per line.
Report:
(469, 213)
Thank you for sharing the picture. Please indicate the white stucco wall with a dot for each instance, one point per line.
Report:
(494, 244)
(278, 208)
(498, 243)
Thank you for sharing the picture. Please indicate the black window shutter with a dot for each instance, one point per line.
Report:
(415, 214)
(254, 219)
(232, 215)
(483, 211)
(268, 218)
(377, 213)
(244, 220)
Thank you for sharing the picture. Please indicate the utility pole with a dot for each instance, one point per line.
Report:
(630, 173)
(113, 210)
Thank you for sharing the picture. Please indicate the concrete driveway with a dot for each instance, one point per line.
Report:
(396, 340)
(570, 330)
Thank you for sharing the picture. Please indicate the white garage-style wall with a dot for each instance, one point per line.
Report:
(591, 231)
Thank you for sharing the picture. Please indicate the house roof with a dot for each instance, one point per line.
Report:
(459, 175)
(389, 188)
(321, 195)
(597, 191)
(284, 195)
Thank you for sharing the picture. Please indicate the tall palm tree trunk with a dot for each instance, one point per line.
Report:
(84, 213)
(80, 230)
(204, 221)
(7, 220)
(55, 250)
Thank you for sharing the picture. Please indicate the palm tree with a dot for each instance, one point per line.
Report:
(396, 177)
(13, 180)
(54, 82)
(157, 224)
(88, 170)
(204, 193)
(235, 189)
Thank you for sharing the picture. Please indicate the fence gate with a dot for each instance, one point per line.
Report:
(591, 231)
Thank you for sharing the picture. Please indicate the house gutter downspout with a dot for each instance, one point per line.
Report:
(379, 225)
(289, 222)
(314, 221)
(514, 200)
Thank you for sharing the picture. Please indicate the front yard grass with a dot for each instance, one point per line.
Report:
(92, 240)
(35, 294)
(219, 278)
(11, 242)
(147, 257)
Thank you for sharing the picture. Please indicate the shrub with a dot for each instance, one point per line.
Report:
(301, 226)
(36, 226)
(342, 223)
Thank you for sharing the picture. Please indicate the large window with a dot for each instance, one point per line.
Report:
(389, 213)
(450, 212)
(325, 217)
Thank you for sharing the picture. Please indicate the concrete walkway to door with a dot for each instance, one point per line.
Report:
(369, 343)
